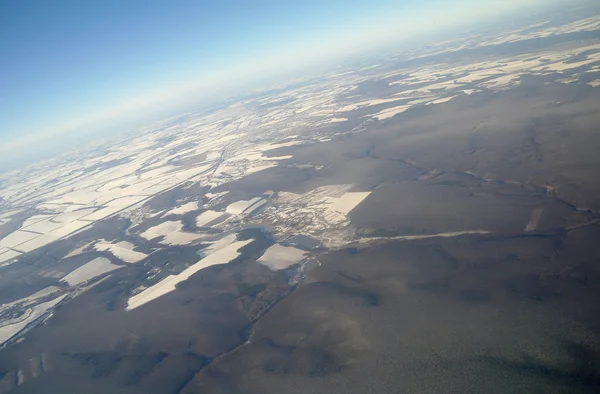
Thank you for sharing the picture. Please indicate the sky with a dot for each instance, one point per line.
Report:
(68, 65)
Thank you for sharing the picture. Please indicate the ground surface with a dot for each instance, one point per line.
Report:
(424, 222)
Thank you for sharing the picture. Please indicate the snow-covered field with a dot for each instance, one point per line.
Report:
(31, 298)
(6, 256)
(167, 285)
(595, 83)
(171, 234)
(121, 250)
(91, 270)
(346, 203)
(279, 257)
(240, 207)
(17, 238)
(8, 331)
(183, 209)
(37, 242)
(208, 216)
(391, 112)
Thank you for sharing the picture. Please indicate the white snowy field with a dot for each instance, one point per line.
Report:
(279, 257)
(91, 270)
(167, 285)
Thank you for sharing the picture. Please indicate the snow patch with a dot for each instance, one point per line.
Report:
(279, 257)
(167, 285)
(91, 270)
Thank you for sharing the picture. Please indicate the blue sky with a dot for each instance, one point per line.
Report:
(63, 59)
